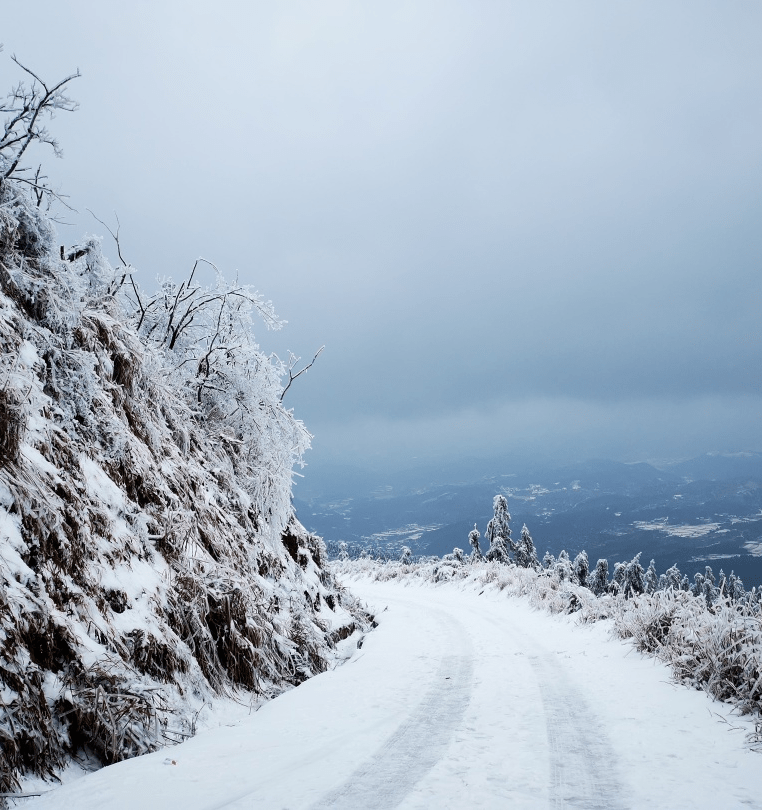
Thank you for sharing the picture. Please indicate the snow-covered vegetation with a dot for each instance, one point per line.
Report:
(150, 559)
(710, 632)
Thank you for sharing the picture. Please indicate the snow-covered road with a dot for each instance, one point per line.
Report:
(457, 700)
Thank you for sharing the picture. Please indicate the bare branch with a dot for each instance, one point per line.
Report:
(27, 106)
(292, 376)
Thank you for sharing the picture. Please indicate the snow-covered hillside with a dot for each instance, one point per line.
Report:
(149, 556)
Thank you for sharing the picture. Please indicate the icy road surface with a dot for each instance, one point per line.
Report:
(457, 700)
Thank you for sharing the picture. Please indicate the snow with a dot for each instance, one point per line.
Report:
(685, 530)
(459, 698)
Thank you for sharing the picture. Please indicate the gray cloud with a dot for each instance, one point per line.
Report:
(478, 207)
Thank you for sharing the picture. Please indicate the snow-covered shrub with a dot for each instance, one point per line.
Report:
(717, 647)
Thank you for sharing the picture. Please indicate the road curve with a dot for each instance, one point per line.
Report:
(421, 740)
(459, 699)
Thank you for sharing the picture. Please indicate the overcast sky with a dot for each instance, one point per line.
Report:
(513, 225)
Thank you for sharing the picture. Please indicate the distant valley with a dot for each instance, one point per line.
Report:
(704, 511)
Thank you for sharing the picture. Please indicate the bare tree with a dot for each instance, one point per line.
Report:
(27, 106)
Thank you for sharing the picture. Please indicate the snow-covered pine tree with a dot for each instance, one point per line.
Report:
(563, 567)
(651, 581)
(674, 578)
(634, 577)
(599, 581)
(526, 555)
(618, 578)
(581, 568)
(498, 533)
(697, 589)
(473, 541)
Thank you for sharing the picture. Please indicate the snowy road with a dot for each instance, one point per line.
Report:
(457, 700)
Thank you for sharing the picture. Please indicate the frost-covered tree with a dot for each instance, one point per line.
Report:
(674, 578)
(473, 541)
(618, 578)
(634, 577)
(736, 590)
(526, 555)
(697, 589)
(581, 568)
(651, 578)
(563, 567)
(548, 561)
(406, 555)
(204, 337)
(26, 108)
(599, 581)
(498, 533)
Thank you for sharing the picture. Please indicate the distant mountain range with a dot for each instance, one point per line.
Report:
(704, 511)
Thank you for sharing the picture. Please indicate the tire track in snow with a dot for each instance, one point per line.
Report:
(583, 765)
(418, 744)
(582, 761)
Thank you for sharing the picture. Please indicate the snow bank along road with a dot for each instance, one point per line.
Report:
(457, 700)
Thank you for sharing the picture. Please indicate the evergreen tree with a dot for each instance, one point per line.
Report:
(563, 567)
(548, 561)
(473, 541)
(406, 556)
(697, 589)
(526, 555)
(599, 581)
(634, 577)
(498, 533)
(674, 578)
(736, 590)
(581, 568)
(651, 579)
(618, 580)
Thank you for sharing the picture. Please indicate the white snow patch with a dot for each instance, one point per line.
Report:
(684, 530)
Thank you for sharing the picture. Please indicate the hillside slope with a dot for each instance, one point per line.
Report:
(149, 556)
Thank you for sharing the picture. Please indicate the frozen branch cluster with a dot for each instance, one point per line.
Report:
(25, 110)
(150, 559)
